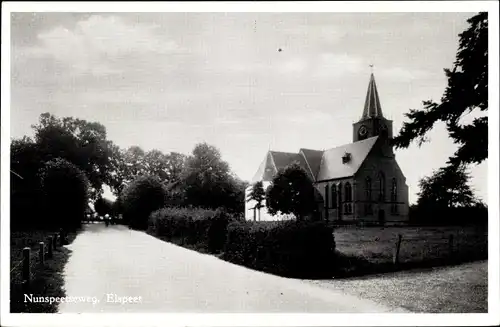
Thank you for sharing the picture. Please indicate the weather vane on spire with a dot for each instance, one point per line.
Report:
(371, 67)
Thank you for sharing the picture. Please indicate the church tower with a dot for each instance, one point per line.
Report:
(372, 122)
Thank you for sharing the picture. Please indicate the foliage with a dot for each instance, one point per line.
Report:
(26, 161)
(65, 194)
(78, 141)
(135, 162)
(467, 92)
(208, 182)
(104, 206)
(446, 188)
(291, 249)
(258, 195)
(203, 228)
(446, 198)
(291, 192)
(140, 198)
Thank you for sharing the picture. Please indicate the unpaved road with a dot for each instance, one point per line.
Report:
(165, 278)
(455, 289)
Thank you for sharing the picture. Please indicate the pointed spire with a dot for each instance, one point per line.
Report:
(372, 102)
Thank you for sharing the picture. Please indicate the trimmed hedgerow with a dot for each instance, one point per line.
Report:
(290, 249)
(203, 229)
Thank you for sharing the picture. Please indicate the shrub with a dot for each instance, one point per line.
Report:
(203, 228)
(65, 194)
(290, 248)
(139, 199)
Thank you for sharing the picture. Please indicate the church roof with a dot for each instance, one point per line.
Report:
(332, 166)
(266, 169)
(319, 165)
(372, 102)
(276, 160)
(313, 159)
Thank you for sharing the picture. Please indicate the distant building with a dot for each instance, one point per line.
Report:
(359, 181)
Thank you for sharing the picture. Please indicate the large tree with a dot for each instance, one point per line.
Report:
(78, 141)
(291, 192)
(467, 92)
(446, 188)
(208, 181)
(134, 162)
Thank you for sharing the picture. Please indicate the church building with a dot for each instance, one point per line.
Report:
(358, 182)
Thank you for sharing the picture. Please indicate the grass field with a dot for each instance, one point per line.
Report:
(47, 280)
(420, 246)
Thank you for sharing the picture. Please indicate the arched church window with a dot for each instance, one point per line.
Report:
(348, 192)
(381, 185)
(339, 193)
(326, 196)
(394, 190)
(394, 196)
(334, 196)
(368, 195)
(368, 188)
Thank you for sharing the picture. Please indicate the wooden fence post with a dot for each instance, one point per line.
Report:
(450, 245)
(41, 253)
(395, 259)
(54, 241)
(26, 269)
(50, 247)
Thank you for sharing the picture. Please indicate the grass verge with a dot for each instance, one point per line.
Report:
(47, 280)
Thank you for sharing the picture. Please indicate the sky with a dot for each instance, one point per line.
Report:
(168, 81)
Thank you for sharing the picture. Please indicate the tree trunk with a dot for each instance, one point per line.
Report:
(254, 214)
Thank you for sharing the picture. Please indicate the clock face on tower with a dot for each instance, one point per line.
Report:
(362, 132)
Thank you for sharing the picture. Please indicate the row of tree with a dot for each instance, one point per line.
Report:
(79, 150)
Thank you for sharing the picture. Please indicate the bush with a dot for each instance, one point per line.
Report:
(290, 249)
(139, 199)
(202, 228)
(65, 194)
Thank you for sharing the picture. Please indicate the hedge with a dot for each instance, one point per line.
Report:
(289, 249)
(204, 229)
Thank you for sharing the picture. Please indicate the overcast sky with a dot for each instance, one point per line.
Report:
(168, 81)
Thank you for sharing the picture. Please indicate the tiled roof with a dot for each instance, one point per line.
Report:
(283, 159)
(275, 161)
(320, 165)
(266, 170)
(313, 159)
(332, 167)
